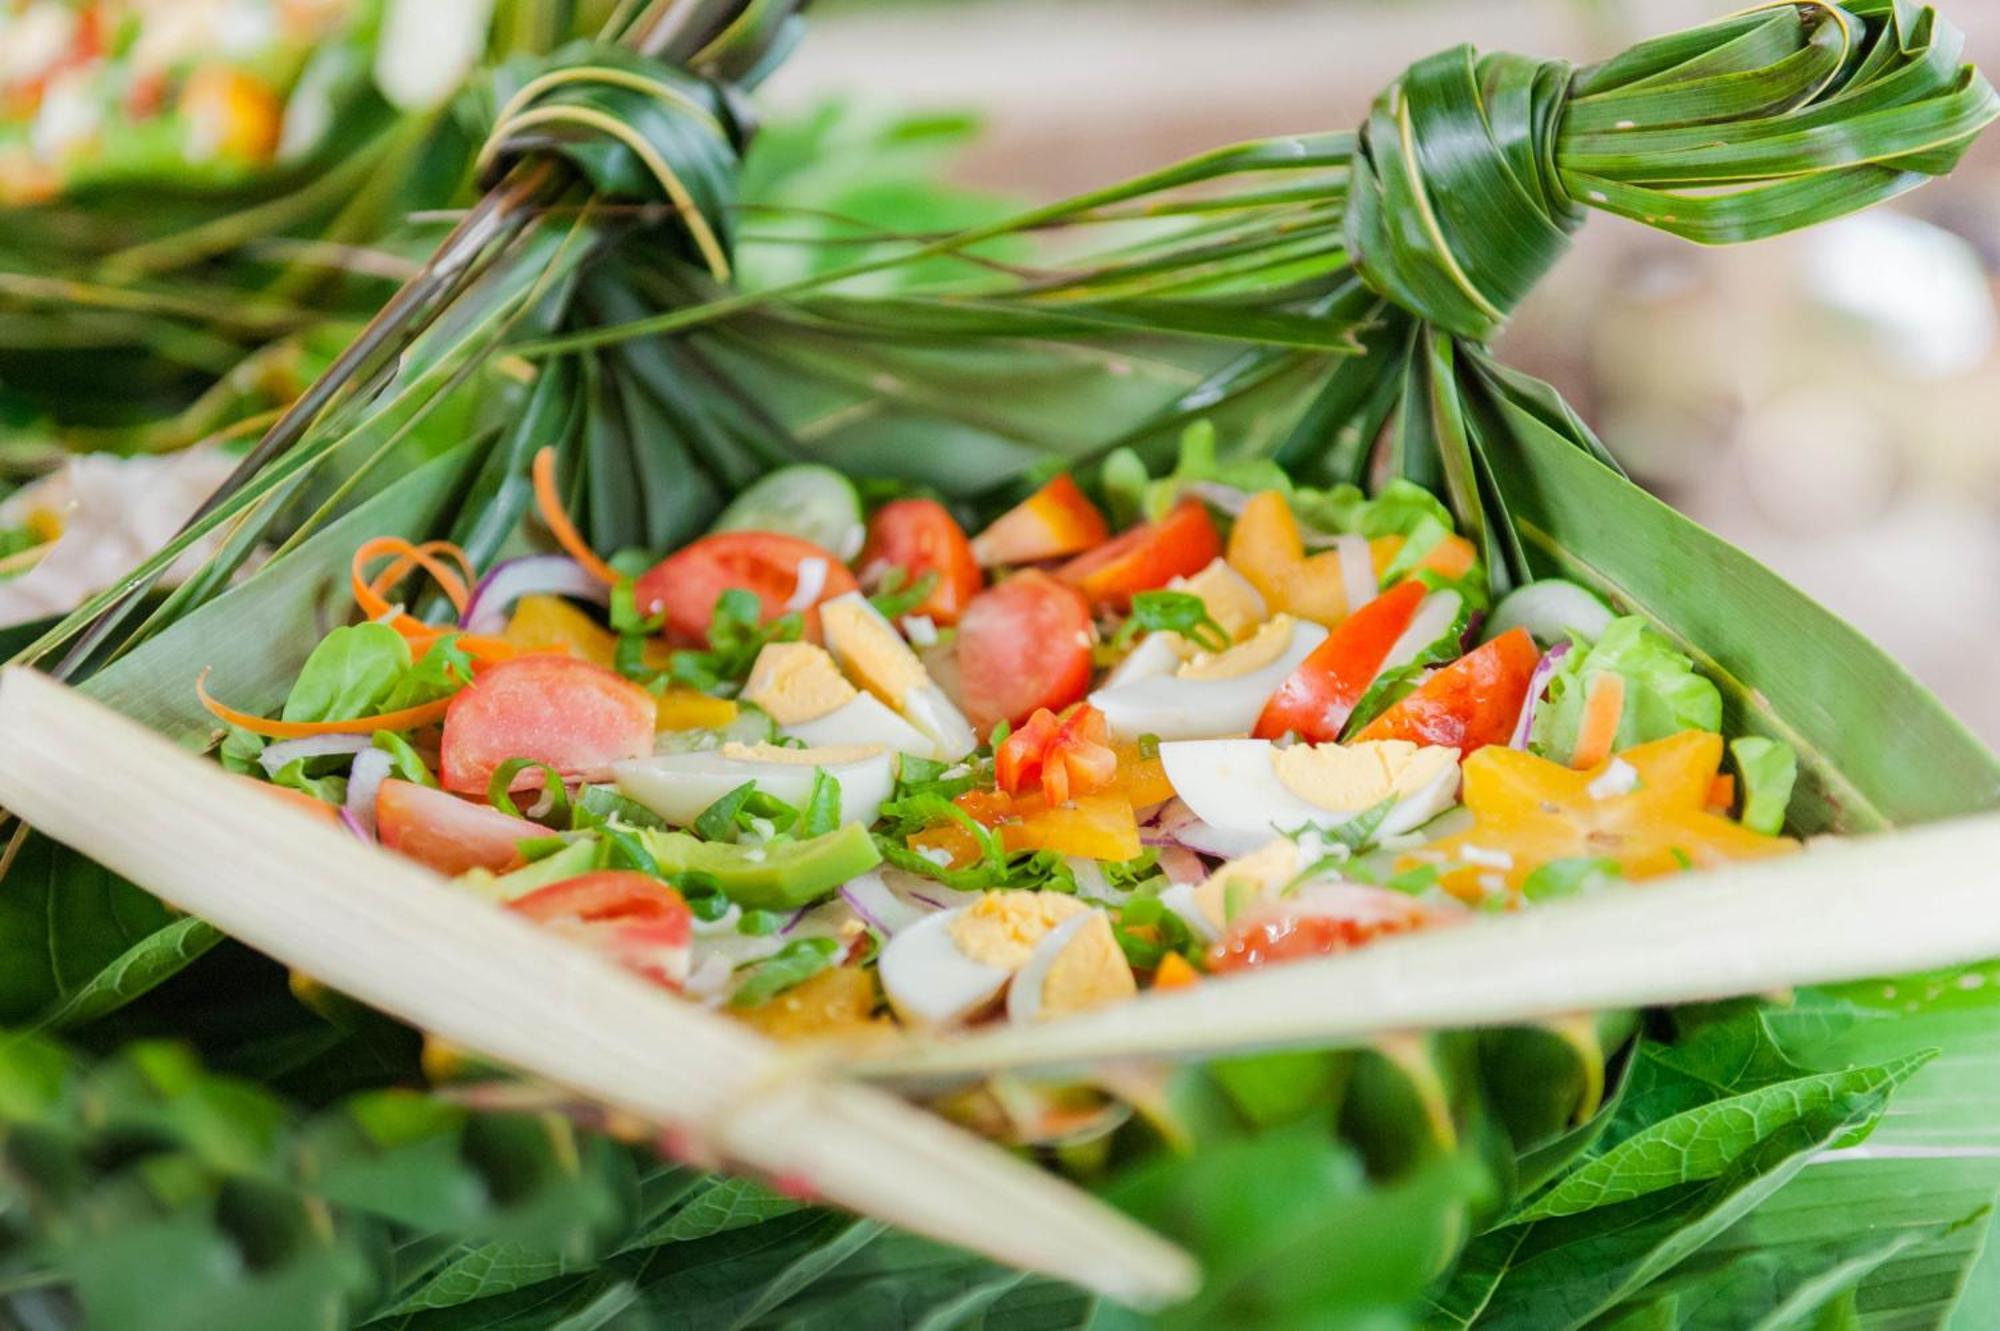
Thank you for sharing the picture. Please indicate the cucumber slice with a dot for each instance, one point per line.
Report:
(753, 725)
(1550, 610)
(811, 502)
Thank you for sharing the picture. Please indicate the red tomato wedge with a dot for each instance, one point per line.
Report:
(1319, 697)
(1054, 521)
(1023, 644)
(1469, 704)
(686, 584)
(635, 920)
(445, 832)
(577, 717)
(1341, 919)
(920, 536)
(1151, 555)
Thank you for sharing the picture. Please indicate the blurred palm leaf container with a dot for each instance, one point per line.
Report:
(1323, 304)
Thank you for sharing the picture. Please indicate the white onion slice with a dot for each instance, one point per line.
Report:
(277, 757)
(532, 575)
(812, 581)
(371, 768)
(1357, 571)
(879, 906)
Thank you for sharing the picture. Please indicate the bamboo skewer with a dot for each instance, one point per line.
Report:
(395, 936)
(1844, 910)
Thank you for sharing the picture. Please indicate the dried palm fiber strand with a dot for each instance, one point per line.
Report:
(394, 935)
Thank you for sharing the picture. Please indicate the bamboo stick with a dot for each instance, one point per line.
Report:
(1844, 910)
(395, 936)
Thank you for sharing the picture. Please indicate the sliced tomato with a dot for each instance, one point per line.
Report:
(1151, 555)
(576, 717)
(298, 799)
(1469, 704)
(920, 536)
(1054, 521)
(1067, 756)
(445, 832)
(1338, 919)
(637, 921)
(1319, 697)
(1023, 643)
(686, 584)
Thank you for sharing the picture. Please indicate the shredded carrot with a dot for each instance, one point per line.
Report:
(1175, 973)
(433, 557)
(556, 518)
(1722, 792)
(405, 718)
(1602, 708)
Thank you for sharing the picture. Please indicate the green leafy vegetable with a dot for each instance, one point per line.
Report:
(822, 809)
(1570, 877)
(443, 670)
(898, 595)
(500, 790)
(743, 809)
(1172, 612)
(1768, 769)
(352, 671)
(404, 760)
(1663, 693)
(801, 959)
(735, 636)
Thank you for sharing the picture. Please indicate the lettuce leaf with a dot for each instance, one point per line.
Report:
(1663, 694)
(1767, 768)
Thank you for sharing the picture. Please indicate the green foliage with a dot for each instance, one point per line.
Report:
(1663, 694)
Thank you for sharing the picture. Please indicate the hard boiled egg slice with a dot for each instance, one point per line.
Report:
(1078, 966)
(678, 786)
(1230, 601)
(1248, 790)
(875, 656)
(952, 965)
(1218, 693)
(1243, 882)
(805, 694)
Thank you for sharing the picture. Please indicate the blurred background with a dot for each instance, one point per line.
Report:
(1831, 401)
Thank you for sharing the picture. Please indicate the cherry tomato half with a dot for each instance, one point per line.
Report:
(686, 584)
(920, 536)
(577, 717)
(1151, 555)
(1473, 702)
(445, 832)
(1023, 644)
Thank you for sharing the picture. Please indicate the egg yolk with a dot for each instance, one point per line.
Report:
(1001, 928)
(1263, 647)
(875, 657)
(797, 682)
(832, 755)
(1090, 971)
(1347, 778)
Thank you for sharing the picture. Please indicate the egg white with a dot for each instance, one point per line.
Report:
(1175, 708)
(869, 648)
(1232, 786)
(929, 981)
(678, 786)
(862, 719)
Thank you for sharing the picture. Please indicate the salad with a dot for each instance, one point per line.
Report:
(844, 771)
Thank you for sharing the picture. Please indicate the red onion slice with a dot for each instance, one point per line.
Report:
(371, 768)
(532, 575)
(277, 757)
(353, 824)
(879, 906)
(1538, 683)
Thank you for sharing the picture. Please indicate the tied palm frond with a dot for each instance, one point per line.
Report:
(1325, 300)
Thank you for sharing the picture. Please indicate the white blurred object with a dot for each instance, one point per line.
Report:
(1920, 290)
(427, 49)
(114, 513)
